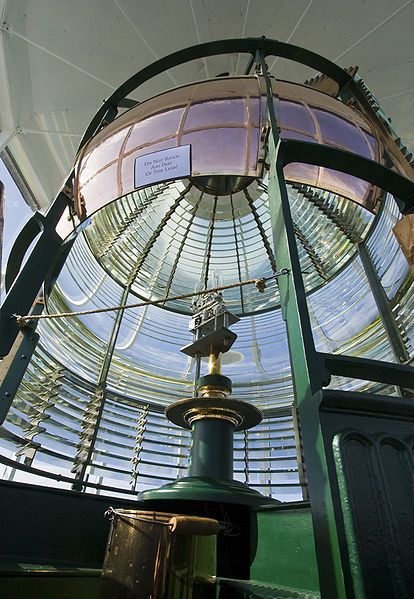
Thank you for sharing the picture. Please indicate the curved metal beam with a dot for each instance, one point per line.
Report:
(346, 162)
(27, 235)
(268, 47)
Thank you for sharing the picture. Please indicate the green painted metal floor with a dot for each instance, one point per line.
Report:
(243, 589)
(44, 581)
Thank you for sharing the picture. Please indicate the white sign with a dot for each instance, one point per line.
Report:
(173, 163)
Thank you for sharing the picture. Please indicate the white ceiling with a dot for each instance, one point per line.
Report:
(59, 59)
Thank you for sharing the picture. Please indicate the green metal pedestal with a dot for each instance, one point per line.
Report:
(203, 488)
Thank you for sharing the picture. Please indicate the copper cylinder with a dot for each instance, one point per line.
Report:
(146, 559)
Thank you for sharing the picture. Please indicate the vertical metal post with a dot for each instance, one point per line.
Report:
(391, 329)
(101, 389)
(308, 370)
(2, 197)
(299, 453)
(197, 371)
(246, 456)
(308, 377)
(14, 365)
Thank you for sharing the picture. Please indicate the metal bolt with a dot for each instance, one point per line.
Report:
(260, 285)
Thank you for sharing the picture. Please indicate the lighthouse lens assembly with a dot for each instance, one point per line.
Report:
(91, 402)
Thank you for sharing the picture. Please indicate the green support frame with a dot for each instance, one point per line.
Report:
(338, 558)
(24, 285)
(309, 376)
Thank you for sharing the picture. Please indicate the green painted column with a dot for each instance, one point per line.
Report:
(309, 376)
(212, 449)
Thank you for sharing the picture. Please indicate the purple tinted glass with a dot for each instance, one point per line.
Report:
(218, 112)
(373, 144)
(154, 128)
(304, 173)
(336, 131)
(294, 116)
(217, 150)
(103, 155)
(100, 188)
(347, 185)
(325, 178)
(254, 144)
(255, 112)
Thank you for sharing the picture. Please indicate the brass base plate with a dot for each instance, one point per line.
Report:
(249, 415)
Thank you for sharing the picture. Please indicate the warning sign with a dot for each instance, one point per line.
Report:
(173, 163)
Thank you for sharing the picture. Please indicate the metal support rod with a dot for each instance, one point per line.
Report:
(262, 232)
(299, 453)
(250, 64)
(236, 243)
(214, 364)
(101, 385)
(391, 328)
(270, 98)
(197, 371)
(209, 243)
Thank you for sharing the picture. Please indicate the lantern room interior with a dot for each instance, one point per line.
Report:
(207, 329)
